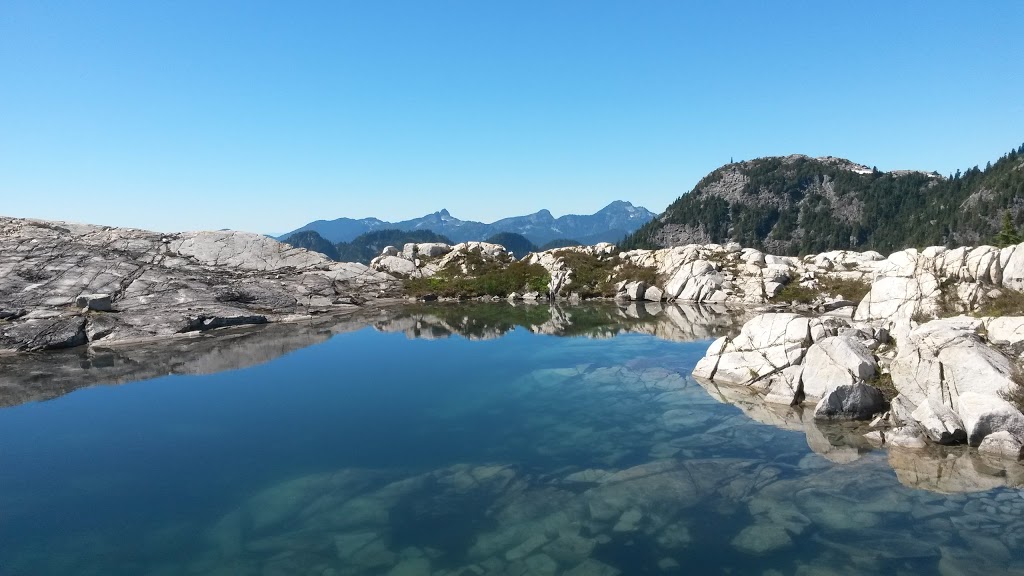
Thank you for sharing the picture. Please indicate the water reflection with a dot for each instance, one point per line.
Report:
(945, 469)
(42, 376)
(576, 456)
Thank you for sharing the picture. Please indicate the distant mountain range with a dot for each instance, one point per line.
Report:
(609, 224)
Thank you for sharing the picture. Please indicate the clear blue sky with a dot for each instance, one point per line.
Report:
(263, 116)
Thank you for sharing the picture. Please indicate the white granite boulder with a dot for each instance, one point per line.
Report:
(1002, 445)
(836, 361)
(635, 290)
(654, 294)
(1005, 330)
(984, 414)
(395, 265)
(767, 343)
(942, 425)
(693, 281)
(942, 359)
(432, 249)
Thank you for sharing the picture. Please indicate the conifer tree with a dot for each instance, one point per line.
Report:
(1008, 235)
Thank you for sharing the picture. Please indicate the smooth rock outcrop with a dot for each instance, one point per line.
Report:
(770, 353)
(1002, 444)
(944, 358)
(984, 414)
(1005, 330)
(836, 361)
(160, 284)
(942, 425)
(95, 302)
(766, 344)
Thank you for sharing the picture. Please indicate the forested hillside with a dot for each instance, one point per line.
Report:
(800, 205)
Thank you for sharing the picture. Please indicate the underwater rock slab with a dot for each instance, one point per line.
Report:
(762, 538)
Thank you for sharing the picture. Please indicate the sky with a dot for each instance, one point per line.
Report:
(263, 116)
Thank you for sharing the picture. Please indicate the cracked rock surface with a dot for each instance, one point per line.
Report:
(159, 284)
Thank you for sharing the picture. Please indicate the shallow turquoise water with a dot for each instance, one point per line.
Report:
(376, 453)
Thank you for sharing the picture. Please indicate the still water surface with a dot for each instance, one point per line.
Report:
(379, 452)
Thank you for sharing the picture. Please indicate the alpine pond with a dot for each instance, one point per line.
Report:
(464, 440)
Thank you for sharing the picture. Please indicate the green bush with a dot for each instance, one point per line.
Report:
(794, 292)
(483, 278)
(852, 290)
(884, 383)
(593, 276)
(1008, 303)
(827, 286)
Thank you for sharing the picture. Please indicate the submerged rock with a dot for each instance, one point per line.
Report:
(762, 538)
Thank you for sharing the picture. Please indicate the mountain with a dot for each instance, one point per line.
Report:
(365, 247)
(362, 248)
(800, 205)
(340, 230)
(310, 240)
(515, 243)
(609, 224)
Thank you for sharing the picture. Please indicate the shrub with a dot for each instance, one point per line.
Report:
(632, 273)
(593, 276)
(853, 290)
(1015, 395)
(827, 286)
(794, 292)
(884, 383)
(1008, 303)
(483, 278)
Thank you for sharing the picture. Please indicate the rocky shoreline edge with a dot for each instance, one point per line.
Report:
(922, 343)
(906, 341)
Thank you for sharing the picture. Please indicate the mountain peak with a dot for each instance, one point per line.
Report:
(608, 225)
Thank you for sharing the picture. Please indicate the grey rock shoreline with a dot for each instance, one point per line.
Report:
(67, 285)
(64, 285)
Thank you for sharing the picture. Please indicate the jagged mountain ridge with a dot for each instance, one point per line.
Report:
(609, 224)
(800, 205)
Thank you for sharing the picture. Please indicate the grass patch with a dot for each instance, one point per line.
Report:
(884, 383)
(920, 317)
(794, 292)
(826, 286)
(852, 290)
(482, 278)
(593, 276)
(1008, 303)
(1015, 395)
(632, 273)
